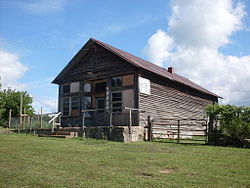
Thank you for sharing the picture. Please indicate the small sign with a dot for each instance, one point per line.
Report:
(144, 85)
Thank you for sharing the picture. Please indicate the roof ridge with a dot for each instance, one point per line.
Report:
(176, 77)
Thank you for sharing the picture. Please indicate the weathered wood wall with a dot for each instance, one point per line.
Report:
(171, 101)
(100, 64)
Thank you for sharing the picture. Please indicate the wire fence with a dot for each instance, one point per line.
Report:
(30, 122)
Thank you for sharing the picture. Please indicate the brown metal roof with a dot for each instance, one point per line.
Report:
(141, 63)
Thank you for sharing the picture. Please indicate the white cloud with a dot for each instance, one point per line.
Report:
(159, 48)
(11, 69)
(44, 6)
(197, 29)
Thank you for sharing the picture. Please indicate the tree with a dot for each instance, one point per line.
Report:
(10, 99)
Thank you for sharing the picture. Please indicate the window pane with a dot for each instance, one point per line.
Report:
(100, 87)
(74, 87)
(116, 96)
(65, 106)
(87, 88)
(117, 102)
(116, 81)
(66, 88)
(86, 102)
(75, 103)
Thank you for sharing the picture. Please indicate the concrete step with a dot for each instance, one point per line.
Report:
(70, 133)
(55, 136)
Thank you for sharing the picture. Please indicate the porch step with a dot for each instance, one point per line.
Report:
(60, 134)
(55, 136)
(68, 133)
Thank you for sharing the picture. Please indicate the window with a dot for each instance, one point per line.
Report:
(100, 87)
(86, 105)
(86, 102)
(66, 88)
(116, 81)
(75, 103)
(100, 104)
(117, 102)
(87, 87)
(65, 106)
(74, 87)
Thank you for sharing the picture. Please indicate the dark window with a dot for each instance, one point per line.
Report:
(117, 102)
(74, 103)
(66, 88)
(100, 87)
(100, 104)
(116, 81)
(65, 106)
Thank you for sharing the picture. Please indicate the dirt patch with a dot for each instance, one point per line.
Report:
(146, 175)
(167, 171)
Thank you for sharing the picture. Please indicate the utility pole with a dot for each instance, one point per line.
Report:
(41, 123)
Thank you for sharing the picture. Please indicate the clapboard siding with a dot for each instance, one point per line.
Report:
(168, 101)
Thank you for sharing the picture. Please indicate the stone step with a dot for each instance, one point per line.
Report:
(55, 136)
(71, 133)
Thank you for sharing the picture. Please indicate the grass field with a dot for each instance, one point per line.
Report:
(30, 161)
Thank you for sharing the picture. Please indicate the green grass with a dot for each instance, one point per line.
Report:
(30, 161)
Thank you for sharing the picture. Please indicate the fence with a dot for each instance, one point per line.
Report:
(179, 129)
(30, 122)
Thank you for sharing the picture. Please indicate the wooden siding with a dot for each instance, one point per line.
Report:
(170, 102)
(98, 63)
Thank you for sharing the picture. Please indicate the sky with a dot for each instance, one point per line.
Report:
(207, 41)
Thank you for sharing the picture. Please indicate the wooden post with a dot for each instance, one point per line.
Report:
(206, 133)
(130, 120)
(210, 129)
(178, 138)
(9, 118)
(41, 121)
(83, 124)
(21, 110)
(24, 118)
(30, 122)
(150, 129)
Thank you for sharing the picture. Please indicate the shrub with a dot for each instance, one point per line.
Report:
(234, 124)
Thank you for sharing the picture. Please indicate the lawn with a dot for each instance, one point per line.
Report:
(30, 161)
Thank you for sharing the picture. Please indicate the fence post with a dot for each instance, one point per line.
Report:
(9, 118)
(41, 123)
(130, 124)
(210, 129)
(206, 132)
(178, 138)
(83, 124)
(150, 129)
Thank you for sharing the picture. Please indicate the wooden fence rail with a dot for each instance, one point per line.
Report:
(178, 129)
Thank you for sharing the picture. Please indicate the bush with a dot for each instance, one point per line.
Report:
(234, 124)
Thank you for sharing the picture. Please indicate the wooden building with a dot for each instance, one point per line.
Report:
(107, 79)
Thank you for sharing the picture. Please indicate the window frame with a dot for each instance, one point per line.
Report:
(116, 109)
(114, 82)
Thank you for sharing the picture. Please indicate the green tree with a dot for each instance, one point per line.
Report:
(234, 123)
(10, 99)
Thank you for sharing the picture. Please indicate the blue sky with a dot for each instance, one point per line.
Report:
(40, 37)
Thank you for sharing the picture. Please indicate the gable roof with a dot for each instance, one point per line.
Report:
(137, 62)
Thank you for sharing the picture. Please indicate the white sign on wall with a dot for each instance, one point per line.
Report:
(144, 85)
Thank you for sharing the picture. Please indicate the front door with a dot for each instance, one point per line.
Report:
(100, 113)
